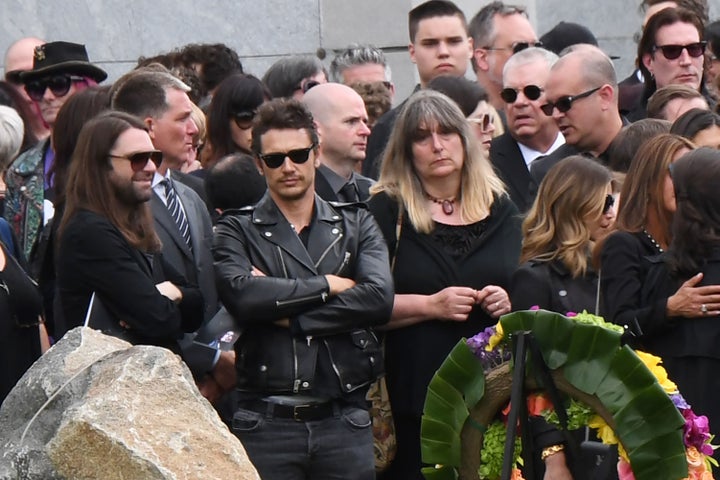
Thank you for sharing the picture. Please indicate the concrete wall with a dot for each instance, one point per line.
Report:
(118, 32)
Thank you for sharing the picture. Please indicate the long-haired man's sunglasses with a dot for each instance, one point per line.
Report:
(671, 52)
(275, 160)
(59, 85)
(138, 160)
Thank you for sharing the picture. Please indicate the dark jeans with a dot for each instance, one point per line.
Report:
(335, 448)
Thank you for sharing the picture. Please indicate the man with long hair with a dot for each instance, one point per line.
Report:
(109, 251)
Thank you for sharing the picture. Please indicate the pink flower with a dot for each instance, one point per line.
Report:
(534, 307)
(624, 471)
(697, 432)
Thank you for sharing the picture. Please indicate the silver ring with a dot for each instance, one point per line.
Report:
(703, 309)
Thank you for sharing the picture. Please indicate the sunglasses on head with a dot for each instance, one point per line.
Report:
(244, 119)
(274, 160)
(59, 85)
(306, 85)
(531, 92)
(609, 202)
(671, 52)
(563, 104)
(483, 121)
(517, 46)
(138, 160)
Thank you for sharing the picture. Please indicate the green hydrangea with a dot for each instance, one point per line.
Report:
(579, 414)
(493, 451)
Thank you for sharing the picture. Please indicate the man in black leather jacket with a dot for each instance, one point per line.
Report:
(308, 281)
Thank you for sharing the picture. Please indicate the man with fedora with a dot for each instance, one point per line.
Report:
(59, 70)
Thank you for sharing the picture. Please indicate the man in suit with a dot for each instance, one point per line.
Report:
(181, 219)
(342, 124)
(498, 31)
(582, 97)
(530, 133)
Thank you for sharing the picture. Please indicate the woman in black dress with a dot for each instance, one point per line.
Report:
(20, 322)
(647, 205)
(688, 343)
(455, 238)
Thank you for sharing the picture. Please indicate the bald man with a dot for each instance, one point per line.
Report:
(18, 59)
(582, 84)
(342, 124)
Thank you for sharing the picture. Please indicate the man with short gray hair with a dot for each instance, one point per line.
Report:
(181, 219)
(530, 133)
(361, 63)
(498, 31)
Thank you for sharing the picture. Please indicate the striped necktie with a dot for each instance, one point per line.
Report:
(173, 205)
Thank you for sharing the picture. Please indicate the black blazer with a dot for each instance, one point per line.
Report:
(542, 165)
(94, 257)
(550, 286)
(510, 166)
(196, 265)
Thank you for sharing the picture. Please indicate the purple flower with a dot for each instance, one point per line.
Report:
(697, 432)
(679, 401)
(487, 359)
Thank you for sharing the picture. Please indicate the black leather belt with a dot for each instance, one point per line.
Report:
(299, 413)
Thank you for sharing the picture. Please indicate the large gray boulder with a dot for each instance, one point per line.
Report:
(95, 407)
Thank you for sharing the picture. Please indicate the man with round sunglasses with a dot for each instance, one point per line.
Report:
(60, 69)
(342, 123)
(530, 133)
(581, 95)
(498, 31)
(308, 280)
(671, 52)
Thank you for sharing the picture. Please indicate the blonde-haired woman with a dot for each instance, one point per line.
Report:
(454, 236)
(573, 209)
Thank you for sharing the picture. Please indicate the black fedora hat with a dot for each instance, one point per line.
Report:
(62, 57)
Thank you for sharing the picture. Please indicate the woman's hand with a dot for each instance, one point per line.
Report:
(556, 468)
(689, 300)
(494, 300)
(452, 303)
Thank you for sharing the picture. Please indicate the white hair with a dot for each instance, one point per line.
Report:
(12, 132)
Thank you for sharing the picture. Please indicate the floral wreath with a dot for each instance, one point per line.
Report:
(628, 400)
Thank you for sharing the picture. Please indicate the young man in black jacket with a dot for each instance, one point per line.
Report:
(308, 281)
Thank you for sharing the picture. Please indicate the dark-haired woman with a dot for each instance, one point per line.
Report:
(230, 116)
(702, 127)
(688, 344)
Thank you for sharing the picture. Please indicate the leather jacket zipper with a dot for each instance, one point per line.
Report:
(327, 250)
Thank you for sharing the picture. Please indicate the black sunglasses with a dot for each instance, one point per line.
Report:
(671, 52)
(563, 104)
(609, 202)
(517, 46)
(531, 92)
(139, 160)
(244, 119)
(274, 160)
(59, 85)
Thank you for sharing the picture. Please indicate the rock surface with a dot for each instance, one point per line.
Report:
(97, 407)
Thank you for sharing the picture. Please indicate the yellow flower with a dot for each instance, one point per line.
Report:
(495, 339)
(653, 363)
(604, 431)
